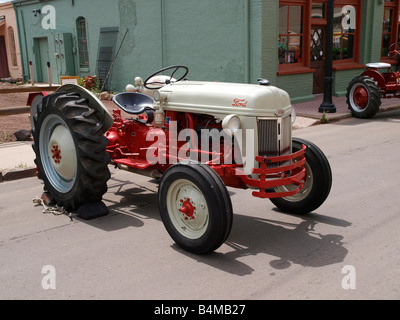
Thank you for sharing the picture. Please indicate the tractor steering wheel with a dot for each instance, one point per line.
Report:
(394, 50)
(154, 84)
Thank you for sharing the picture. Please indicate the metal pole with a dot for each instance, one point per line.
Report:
(327, 104)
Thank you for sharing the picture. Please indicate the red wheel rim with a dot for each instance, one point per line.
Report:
(360, 97)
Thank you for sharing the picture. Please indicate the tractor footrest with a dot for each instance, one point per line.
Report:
(133, 163)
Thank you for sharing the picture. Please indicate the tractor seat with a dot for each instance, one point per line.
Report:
(133, 102)
(378, 65)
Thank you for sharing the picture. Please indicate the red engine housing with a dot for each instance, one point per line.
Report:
(136, 145)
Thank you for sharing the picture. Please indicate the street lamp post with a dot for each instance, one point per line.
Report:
(327, 104)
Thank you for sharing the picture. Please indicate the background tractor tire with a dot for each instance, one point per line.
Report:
(363, 97)
(195, 207)
(317, 185)
(70, 150)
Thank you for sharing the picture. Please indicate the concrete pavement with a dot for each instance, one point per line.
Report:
(16, 161)
(17, 158)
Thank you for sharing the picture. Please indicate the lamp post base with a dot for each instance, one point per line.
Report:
(327, 105)
(327, 108)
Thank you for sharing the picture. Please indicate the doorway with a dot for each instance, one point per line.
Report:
(317, 55)
(4, 73)
(41, 51)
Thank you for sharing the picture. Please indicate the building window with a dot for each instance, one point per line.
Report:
(290, 46)
(13, 50)
(390, 26)
(82, 42)
(343, 36)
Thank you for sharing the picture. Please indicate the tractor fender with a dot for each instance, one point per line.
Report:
(32, 96)
(95, 103)
(374, 74)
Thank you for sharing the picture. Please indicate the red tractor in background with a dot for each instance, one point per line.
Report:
(378, 81)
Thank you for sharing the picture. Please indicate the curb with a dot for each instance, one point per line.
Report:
(16, 174)
(331, 117)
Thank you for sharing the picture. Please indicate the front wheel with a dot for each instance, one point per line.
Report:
(195, 207)
(317, 184)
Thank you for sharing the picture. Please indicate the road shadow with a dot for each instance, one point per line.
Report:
(131, 203)
(290, 243)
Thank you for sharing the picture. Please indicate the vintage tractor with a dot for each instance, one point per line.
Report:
(197, 138)
(378, 81)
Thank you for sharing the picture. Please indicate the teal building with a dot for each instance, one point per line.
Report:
(219, 40)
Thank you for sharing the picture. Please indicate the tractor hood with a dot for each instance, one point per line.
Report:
(220, 98)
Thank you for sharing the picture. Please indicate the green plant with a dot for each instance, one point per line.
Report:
(81, 81)
(97, 86)
(324, 119)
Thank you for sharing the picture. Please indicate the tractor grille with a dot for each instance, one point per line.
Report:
(268, 137)
(274, 138)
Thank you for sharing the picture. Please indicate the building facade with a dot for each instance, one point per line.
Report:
(219, 40)
(10, 58)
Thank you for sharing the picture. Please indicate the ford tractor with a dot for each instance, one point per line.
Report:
(196, 138)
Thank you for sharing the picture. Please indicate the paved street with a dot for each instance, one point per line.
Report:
(351, 241)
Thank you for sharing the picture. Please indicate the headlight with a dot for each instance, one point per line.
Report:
(231, 123)
(293, 115)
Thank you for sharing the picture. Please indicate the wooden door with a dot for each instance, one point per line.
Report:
(4, 73)
(317, 54)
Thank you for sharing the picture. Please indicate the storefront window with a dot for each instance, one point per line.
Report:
(302, 34)
(387, 31)
(318, 11)
(290, 44)
(390, 26)
(343, 36)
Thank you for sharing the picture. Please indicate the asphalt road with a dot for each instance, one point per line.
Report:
(347, 249)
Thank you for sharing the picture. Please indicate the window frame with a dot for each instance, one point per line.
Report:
(308, 21)
(12, 47)
(395, 6)
(288, 35)
(303, 66)
(83, 44)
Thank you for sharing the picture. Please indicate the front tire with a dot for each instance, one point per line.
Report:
(363, 97)
(317, 184)
(195, 207)
(70, 150)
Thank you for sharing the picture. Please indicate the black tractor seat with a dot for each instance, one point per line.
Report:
(133, 102)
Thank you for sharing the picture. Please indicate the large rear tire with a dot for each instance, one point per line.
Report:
(195, 207)
(317, 184)
(70, 150)
(363, 97)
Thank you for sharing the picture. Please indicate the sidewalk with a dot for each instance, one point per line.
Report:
(16, 161)
(17, 158)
